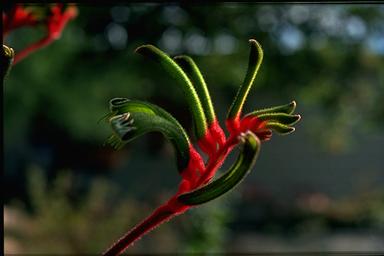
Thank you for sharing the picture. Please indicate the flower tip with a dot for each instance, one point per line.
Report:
(140, 48)
(257, 44)
(295, 119)
(116, 103)
(8, 52)
(183, 60)
(292, 107)
(137, 49)
(72, 11)
(179, 57)
(253, 41)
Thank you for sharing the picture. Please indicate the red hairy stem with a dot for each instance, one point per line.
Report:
(159, 216)
(32, 48)
(217, 132)
(165, 212)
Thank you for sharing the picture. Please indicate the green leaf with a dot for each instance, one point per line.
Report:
(131, 119)
(197, 79)
(255, 59)
(241, 168)
(175, 70)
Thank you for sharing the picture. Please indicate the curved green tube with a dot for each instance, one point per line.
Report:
(175, 70)
(255, 59)
(131, 119)
(197, 79)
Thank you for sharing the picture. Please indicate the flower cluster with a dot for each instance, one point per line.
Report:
(132, 118)
(54, 19)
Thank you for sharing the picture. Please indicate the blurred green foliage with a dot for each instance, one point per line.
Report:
(66, 222)
(58, 224)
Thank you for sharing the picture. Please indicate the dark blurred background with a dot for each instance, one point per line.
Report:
(318, 189)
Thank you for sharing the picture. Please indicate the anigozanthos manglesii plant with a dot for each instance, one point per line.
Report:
(131, 118)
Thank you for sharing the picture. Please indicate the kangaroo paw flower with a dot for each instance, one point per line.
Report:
(32, 16)
(130, 119)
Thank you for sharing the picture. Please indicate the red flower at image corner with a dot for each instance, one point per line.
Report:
(26, 16)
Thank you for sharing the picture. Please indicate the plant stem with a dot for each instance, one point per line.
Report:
(159, 216)
(32, 48)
